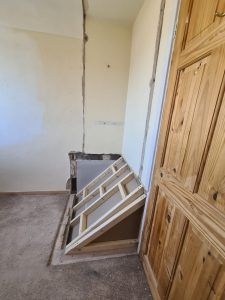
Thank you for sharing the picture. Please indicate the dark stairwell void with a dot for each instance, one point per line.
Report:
(85, 167)
(88, 166)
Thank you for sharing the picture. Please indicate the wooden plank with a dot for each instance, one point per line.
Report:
(115, 219)
(197, 272)
(202, 45)
(97, 203)
(113, 169)
(207, 220)
(85, 192)
(68, 217)
(122, 190)
(160, 227)
(212, 185)
(195, 103)
(208, 9)
(167, 236)
(101, 191)
(107, 195)
(187, 89)
(106, 246)
(151, 278)
(100, 176)
(107, 181)
(116, 176)
(218, 287)
(83, 223)
(104, 198)
(108, 214)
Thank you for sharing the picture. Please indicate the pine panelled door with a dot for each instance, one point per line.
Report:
(183, 244)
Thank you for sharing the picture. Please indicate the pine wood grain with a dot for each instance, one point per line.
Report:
(184, 257)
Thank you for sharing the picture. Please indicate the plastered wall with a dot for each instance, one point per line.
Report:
(107, 69)
(41, 103)
(141, 66)
(166, 44)
(40, 109)
(141, 73)
(58, 17)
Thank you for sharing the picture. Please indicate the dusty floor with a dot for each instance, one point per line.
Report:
(28, 226)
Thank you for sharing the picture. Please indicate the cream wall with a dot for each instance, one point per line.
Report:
(40, 108)
(141, 65)
(141, 73)
(170, 15)
(62, 17)
(107, 69)
(124, 11)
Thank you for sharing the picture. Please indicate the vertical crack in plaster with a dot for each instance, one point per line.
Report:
(84, 72)
(152, 82)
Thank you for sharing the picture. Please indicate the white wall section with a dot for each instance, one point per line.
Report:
(40, 109)
(41, 90)
(124, 11)
(41, 116)
(170, 15)
(107, 69)
(141, 67)
(61, 17)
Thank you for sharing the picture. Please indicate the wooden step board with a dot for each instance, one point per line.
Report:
(104, 203)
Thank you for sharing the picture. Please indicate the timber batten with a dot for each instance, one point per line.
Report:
(108, 205)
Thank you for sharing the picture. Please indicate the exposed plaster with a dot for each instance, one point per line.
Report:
(152, 82)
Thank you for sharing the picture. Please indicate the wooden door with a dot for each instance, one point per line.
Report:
(183, 245)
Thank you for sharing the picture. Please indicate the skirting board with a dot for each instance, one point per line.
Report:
(66, 192)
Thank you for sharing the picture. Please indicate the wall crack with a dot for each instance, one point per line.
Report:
(85, 39)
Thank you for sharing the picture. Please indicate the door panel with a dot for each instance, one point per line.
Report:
(195, 101)
(212, 186)
(203, 15)
(197, 269)
(169, 226)
(183, 244)
(218, 289)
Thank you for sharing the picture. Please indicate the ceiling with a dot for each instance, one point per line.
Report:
(118, 10)
(62, 17)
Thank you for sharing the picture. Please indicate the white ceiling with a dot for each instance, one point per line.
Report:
(117, 10)
(62, 17)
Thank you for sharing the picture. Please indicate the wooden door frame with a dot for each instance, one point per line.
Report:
(163, 128)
